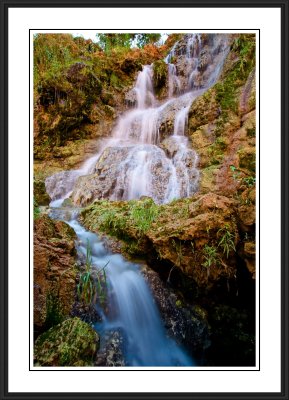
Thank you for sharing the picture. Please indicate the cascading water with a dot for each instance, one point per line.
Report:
(139, 148)
(139, 159)
(132, 310)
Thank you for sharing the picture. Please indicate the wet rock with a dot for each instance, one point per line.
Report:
(73, 343)
(131, 98)
(114, 178)
(59, 184)
(110, 353)
(185, 323)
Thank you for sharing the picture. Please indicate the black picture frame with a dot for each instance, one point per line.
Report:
(283, 5)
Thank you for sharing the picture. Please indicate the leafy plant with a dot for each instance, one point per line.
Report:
(226, 241)
(210, 255)
(236, 172)
(249, 181)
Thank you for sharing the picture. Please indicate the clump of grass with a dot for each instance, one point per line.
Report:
(143, 214)
(211, 256)
(90, 288)
(226, 241)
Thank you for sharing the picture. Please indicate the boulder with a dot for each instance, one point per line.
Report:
(73, 343)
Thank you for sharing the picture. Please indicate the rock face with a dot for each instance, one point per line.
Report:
(198, 236)
(60, 183)
(195, 239)
(72, 343)
(54, 271)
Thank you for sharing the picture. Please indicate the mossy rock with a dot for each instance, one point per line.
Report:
(40, 195)
(208, 179)
(247, 158)
(71, 343)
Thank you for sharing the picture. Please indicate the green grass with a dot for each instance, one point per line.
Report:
(226, 241)
(90, 289)
(143, 214)
(210, 254)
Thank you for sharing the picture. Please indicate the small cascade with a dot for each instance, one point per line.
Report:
(136, 161)
(173, 81)
(181, 121)
(144, 88)
(131, 308)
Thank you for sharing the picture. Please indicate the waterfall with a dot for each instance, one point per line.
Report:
(143, 158)
(137, 159)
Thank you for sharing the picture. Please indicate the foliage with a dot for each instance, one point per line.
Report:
(88, 287)
(226, 241)
(210, 255)
(110, 41)
(250, 181)
(160, 73)
(143, 214)
(74, 79)
(226, 90)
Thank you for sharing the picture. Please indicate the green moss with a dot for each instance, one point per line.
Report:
(118, 218)
(54, 312)
(39, 191)
(160, 73)
(226, 90)
(251, 132)
(71, 343)
(247, 158)
(36, 211)
(208, 174)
